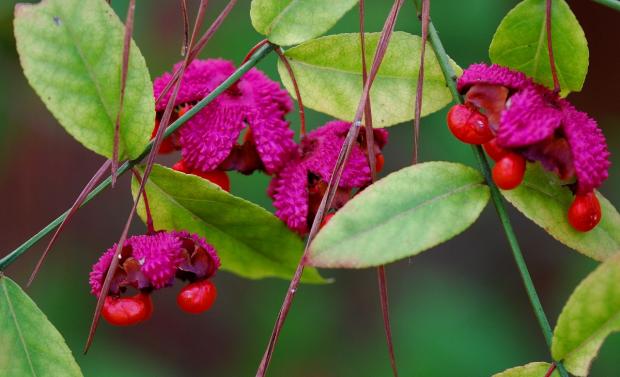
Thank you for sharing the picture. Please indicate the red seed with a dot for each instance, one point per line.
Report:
(218, 177)
(197, 297)
(125, 311)
(326, 219)
(585, 212)
(495, 151)
(469, 125)
(379, 162)
(167, 146)
(509, 171)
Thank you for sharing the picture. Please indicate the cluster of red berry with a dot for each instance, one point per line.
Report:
(194, 298)
(472, 127)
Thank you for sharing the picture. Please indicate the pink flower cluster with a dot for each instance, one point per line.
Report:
(153, 261)
(532, 120)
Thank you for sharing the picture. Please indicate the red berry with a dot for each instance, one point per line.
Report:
(125, 311)
(379, 162)
(180, 166)
(585, 212)
(167, 145)
(197, 297)
(183, 109)
(469, 125)
(218, 177)
(495, 151)
(326, 219)
(509, 171)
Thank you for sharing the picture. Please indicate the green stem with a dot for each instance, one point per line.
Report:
(450, 77)
(613, 4)
(251, 62)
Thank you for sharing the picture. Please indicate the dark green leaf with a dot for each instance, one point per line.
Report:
(590, 315)
(288, 22)
(71, 53)
(30, 345)
(544, 200)
(520, 43)
(251, 242)
(329, 74)
(401, 215)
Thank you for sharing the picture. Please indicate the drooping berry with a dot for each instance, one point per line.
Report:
(468, 125)
(585, 212)
(218, 177)
(126, 311)
(508, 172)
(494, 151)
(197, 297)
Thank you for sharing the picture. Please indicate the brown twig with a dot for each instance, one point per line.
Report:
(76, 205)
(370, 151)
(150, 228)
(185, 18)
(202, 42)
(551, 370)
(334, 180)
(554, 71)
(291, 74)
(420, 84)
(147, 171)
(125, 67)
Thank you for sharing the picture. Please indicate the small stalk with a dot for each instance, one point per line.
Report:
(543, 322)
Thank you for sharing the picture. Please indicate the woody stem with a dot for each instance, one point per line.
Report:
(251, 62)
(450, 77)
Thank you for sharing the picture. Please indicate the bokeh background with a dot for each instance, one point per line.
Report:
(457, 310)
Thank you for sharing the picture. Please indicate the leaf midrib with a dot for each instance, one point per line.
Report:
(279, 16)
(92, 76)
(405, 212)
(17, 327)
(358, 74)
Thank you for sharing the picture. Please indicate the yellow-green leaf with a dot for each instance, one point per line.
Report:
(71, 53)
(329, 73)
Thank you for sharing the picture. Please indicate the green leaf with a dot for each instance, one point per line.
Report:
(520, 43)
(289, 22)
(250, 241)
(537, 369)
(543, 199)
(71, 53)
(329, 73)
(30, 344)
(401, 215)
(590, 315)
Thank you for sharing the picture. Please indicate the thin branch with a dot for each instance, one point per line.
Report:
(426, 5)
(450, 78)
(76, 205)
(234, 77)
(291, 74)
(551, 370)
(253, 49)
(185, 18)
(554, 71)
(125, 67)
(334, 180)
(202, 42)
(150, 228)
(370, 151)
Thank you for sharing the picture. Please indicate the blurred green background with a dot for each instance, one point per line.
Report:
(458, 310)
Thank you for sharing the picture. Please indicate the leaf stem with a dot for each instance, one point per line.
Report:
(613, 4)
(258, 56)
(450, 77)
